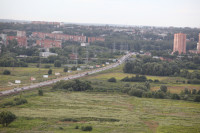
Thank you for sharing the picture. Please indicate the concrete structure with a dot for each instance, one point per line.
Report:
(93, 39)
(47, 54)
(198, 45)
(47, 43)
(84, 44)
(22, 41)
(56, 36)
(179, 43)
(21, 33)
(4, 38)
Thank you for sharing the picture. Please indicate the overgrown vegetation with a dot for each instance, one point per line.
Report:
(74, 85)
(14, 102)
(6, 117)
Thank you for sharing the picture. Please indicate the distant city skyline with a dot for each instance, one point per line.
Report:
(177, 13)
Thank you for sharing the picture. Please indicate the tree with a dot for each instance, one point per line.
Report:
(50, 72)
(163, 88)
(57, 63)
(147, 84)
(6, 72)
(65, 69)
(175, 96)
(40, 92)
(197, 99)
(73, 68)
(6, 117)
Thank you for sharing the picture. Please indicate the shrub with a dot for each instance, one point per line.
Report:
(57, 63)
(194, 91)
(156, 81)
(50, 72)
(74, 68)
(175, 96)
(136, 92)
(76, 127)
(6, 72)
(6, 117)
(40, 92)
(197, 99)
(65, 69)
(21, 101)
(10, 103)
(47, 66)
(86, 128)
(61, 128)
(112, 79)
(159, 94)
(163, 88)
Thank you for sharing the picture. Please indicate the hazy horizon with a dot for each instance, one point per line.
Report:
(179, 13)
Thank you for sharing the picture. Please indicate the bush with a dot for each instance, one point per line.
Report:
(112, 79)
(197, 99)
(57, 63)
(136, 92)
(6, 72)
(86, 128)
(163, 88)
(74, 85)
(40, 92)
(21, 101)
(65, 69)
(50, 72)
(10, 103)
(175, 96)
(76, 127)
(74, 68)
(47, 66)
(6, 117)
(159, 94)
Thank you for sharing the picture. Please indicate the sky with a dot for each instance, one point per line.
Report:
(177, 13)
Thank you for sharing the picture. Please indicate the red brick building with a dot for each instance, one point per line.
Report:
(55, 36)
(22, 41)
(49, 43)
(179, 43)
(93, 39)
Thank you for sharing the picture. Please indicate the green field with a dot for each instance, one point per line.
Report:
(24, 74)
(105, 112)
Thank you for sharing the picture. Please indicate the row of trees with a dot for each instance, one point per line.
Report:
(74, 85)
(151, 68)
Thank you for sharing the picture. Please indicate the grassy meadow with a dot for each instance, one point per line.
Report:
(24, 74)
(105, 112)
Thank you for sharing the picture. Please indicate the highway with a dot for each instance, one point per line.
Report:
(70, 77)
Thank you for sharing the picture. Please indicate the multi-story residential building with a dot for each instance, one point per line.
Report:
(198, 45)
(56, 36)
(47, 43)
(44, 22)
(93, 39)
(179, 43)
(22, 41)
(21, 33)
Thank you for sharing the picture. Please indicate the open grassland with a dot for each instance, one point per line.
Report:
(105, 112)
(24, 74)
(171, 82)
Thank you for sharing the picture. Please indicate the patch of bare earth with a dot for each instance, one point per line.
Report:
(152, 125)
